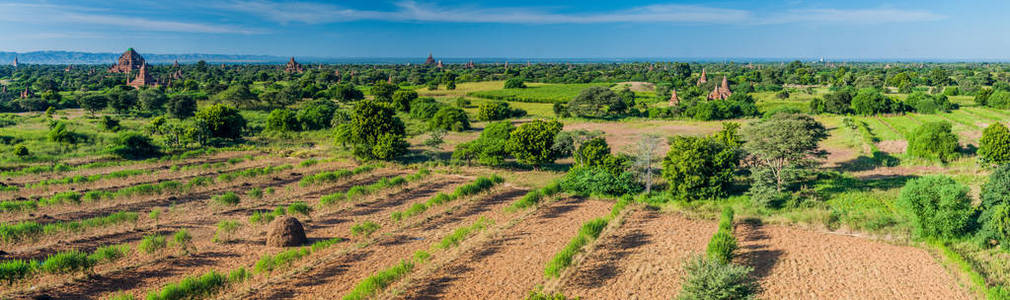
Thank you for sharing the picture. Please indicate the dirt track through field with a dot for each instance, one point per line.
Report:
(800, 264)
(338, 274)
(512, 263)
(642, 259)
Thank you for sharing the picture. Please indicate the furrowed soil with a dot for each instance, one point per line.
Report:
(642, 259)
(512, 262)
(338, 272)
(800, 264)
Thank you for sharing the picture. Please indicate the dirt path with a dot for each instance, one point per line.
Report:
(799, 264)
(512, 263)
(339, 273)
(643, 259)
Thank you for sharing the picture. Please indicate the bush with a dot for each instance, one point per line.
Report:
(598, 181)
(994, 146)
(934, 141)
(497, 110)
(937, 206)
(316, 115)
(67, 262)
(364, 229)
(182, 239)
(190, 287)
(721, 246)
(21, 151)
(152, 243)
(282, 120)
(450, 118)
(489, 148)
(699, 167)
(708, 279)
(299, 208)
(109, 253)
(225, 229)
(515, 83)
(994, 219)
(928, 104)
(597, 102)
(222, 120)
(134, 145)
(229, 198)
(869, 101)
(424, 108)
(14, 270)
(533, 143)
(403, 98)
(374, 131)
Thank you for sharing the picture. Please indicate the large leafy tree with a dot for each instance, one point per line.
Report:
(994, 146)
(783, 144)
(597, 102)
(699, 167)
(937, 206)
(93, 103)
(934, 141)
(152, 100)
(374, 131)
(533, 143)
(181, 106)
(239, 95)
(223, 121)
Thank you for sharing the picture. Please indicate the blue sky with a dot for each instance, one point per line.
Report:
(924, 29)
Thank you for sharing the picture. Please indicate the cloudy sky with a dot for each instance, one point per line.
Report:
(923, 29)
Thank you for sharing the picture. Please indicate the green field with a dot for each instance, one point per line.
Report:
(538, 93)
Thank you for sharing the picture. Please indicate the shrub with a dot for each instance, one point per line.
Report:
(21, 151)
(497, 110)
(14, 270)
(190, 287)
(934, 141)
(222, 120)
(183, 240)
(316, 115)
(461, 233)
(450, 118)
(599, 181)
(225, 228)
(994, 219)
(937, 206)
(67, 262)
(403, 98)
(708, 279)
(282, 120)
(364, 229)
(424, 108)
(597, 102)
(721, 247)
(489, 148)
(109, 253)
(589, 231)
(299, 208)
(152, 243)
(994, 146)
(134, 145)
(532, 143)
(515, 83)
(699, 167)
(229, 198)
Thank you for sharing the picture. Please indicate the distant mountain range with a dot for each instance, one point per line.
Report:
(77, 58)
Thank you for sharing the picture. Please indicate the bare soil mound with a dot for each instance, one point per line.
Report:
(285, 231)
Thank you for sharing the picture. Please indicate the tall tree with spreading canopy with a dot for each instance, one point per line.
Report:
(783, 144)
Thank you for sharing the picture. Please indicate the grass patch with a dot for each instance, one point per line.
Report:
(547, 93)
(331, 176)
(474, 187)
(453, 240)
(374, 284)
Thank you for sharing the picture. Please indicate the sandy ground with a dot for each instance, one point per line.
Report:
(799, 264)
(512, 263)
(643, 259)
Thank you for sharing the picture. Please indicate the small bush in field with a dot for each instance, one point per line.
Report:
(109, 253)
(224, 231)
(255, 193)
(122, 296)
(183, 240)
(364, 229)
(152, 243)
(14, 270)
(229, 198)
(299, 208)
(721, 246)
(67, 262)
(708, 279)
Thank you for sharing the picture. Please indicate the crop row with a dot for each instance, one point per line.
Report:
(14, 233)
(477, 186)
(366, 189)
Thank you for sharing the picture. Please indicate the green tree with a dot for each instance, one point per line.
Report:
(597, 102)
(181, 106)
(934, 141)
(450, 118)
(489, 148)
(493, 111)
(937, 206)
(345, 93)
(532, 143)
(699, 167)
(152, 100)
(238, 95)
(784, 144)
(994, 146)
(222, 120)
(383, 91)
(870, 102)
(515, 83)
(122, 101)
(403, 98)
(93, 103)
(134, 145)
(282, 120)
(316, 115)
(994, 217)
(374, 131)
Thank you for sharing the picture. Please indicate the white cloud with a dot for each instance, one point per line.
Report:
(47, 14)
(411, 11)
